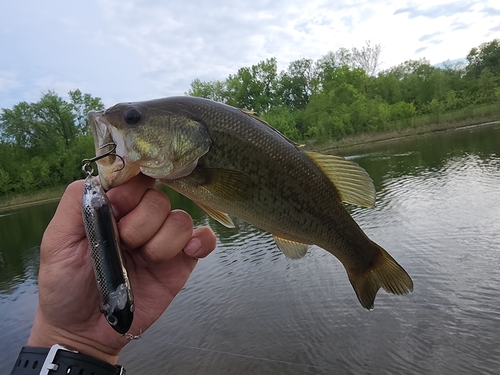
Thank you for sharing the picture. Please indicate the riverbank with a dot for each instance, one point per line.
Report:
(351, 142)
(366, 138)
(24, 200)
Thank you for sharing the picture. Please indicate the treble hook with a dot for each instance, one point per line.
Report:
(86, 163)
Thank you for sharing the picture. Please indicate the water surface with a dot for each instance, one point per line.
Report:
(248, 309)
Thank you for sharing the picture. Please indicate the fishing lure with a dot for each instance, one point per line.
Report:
(115, 293)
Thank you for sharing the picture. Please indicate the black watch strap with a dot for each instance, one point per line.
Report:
(59, 360)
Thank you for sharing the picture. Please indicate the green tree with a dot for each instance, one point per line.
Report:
(487, 84)
(487, 55)
(435, 108)
(282, 119)
(5, 185)
(55, 115)
(80, 105)
(51, 122)
(44, 142)
(254, 88)
(343, 93)
(213, 90)
(240, 91)
(297, 84)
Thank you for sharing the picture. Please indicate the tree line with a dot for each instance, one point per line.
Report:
(43, 143)
(342, 93)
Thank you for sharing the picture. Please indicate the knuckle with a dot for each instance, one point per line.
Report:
(155, 199)
(74, 188)
(181, 221)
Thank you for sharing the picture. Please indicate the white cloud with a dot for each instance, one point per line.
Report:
(140, 49)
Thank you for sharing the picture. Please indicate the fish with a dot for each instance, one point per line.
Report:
(232, 163)
(115, 293)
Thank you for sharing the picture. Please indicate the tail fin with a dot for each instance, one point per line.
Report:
(384, 273)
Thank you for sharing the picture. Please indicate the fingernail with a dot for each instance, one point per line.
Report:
(192, 247)
(115, 212)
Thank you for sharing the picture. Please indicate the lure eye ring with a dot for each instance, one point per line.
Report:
(112, 320)
(132, 116)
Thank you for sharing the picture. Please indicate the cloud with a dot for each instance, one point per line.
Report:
(142, 49)
(418, 50)
(173, 45)
(489, 11)
(496, 28)
(436, 11)
(429, 36)
(460, 26)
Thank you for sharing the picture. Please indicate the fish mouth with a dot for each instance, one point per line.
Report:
(113, 169)
(99, 130)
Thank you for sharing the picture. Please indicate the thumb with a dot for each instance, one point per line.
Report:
(66, 229)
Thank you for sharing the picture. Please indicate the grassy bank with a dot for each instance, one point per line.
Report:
(417, 126)
(23, 200)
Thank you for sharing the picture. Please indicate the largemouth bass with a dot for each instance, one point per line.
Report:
(115, 293)
(230, 162)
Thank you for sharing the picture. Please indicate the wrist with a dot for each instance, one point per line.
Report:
(59, 360)
(44, 335)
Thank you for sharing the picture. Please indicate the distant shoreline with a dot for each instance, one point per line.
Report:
(32, 199)
(351, 142)
(361, 140)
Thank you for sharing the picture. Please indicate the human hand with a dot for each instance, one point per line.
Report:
(160, 251)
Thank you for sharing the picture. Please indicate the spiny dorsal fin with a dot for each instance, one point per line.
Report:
(353, 183)
(291, 249)
(256, 116)
(219, 216)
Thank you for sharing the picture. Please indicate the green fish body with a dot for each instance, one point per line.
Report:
(230, 162)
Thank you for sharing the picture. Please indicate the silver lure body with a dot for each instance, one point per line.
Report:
(116, 298)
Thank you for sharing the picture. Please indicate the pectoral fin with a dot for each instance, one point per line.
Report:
(227, 184)
(291, 249)
(353, 183)
(219, 216)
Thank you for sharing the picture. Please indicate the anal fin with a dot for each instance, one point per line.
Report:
(291, 249)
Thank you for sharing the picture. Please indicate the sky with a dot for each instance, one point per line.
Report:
(130, 50)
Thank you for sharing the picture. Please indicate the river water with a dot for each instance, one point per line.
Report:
(249, 310)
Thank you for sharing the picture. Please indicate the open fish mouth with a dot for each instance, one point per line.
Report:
(96, 125)
(100, 131)
(112, 169)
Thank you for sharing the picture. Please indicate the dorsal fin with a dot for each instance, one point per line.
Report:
(353, 183)
(256, 116)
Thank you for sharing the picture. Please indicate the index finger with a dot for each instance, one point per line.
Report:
(126, 197)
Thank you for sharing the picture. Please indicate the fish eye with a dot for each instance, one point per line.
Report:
(132, 116)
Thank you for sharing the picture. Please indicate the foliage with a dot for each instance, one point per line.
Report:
(343, 92)
(487, 55)
(44, 142)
